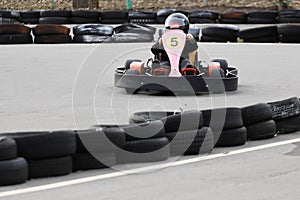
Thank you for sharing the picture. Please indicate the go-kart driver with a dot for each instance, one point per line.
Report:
(177, 21)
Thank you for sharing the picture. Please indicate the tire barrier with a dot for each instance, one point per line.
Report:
(142, 17)
(128, 33)
(146, 17)
(92, 33)
(114, 17)
(289, 33)
(263, 34)
(150, 136)
(193, 30)
(220, 33)
(15, 34)
(51, 34)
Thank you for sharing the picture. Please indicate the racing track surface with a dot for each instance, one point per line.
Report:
(51, 87)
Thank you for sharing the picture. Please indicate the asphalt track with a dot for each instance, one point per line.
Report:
(51, 87)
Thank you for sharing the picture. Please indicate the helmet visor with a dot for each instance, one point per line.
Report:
(174, 23)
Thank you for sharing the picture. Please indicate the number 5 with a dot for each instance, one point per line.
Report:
(174, 41)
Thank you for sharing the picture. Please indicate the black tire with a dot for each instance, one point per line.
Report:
(233, 15)
(288, 125)
(52, 39)
(86, 14)
(288, 20)
(191, 142)
(160, 20)
(256, 113)
(135, 28)
(265, 39)
(4, 20)
(29, 14)
(92, 39)
(93, 29)
(8, 149)
(232, 21)
(288, 29)
(13, 171)
(30, 21)
(146, 130)
(132, 38)
(129, 61)
(289, 13)
(141, 117)
(223, 63)
(205, 38)
(195, 20)
(56, 13)
(10, 14)
(84, 20)
(258, 32)
(16, 39)
(285, 108)
(49, 167)
(100, 140)
(263, 14)
(85, 161)
(141, 15)
(114, 21)
(157, 148)
(168, 11)
(289, 39)
(189, 120)
(114, 14)
(261, 130)
(222, 31)
(231, 137)
(54, 20)
(142, 21)
(251, 20)
(14, 29)
(41, 145)
(232, 118)
(204, 14)
(50, 29)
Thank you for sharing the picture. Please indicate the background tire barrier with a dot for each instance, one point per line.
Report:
(8, 149)
(259, 34)
(289, 33)
(51, 34)
(203, 16)
(289, 16)
(15, 34)
(7, 16)
(262, 17)
(142, 17)
(114, 17)
(233, 18)
(55, 17)
(92, 33)
(220, 33)
(85, 16)
(30, 17)
(13, 171)
(133, 33)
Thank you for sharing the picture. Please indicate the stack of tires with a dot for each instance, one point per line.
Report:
(85, 16)
(13, 169)
(92, 33)
(289, 16)
(55, 17)
(184, 130)
(161, 15)
(203, 17)
(96, 148)
(145, 142)
(7, 16)
(128, 33)
(114, 17)
(258, 121)
(259, 34)
(220, 33)
(227, 126)
(286, 114)
(51, 34)
(30, 17)
(142, 17)
(193, 30)
(15, 34)
(289, 33)
(47, 153)
(262, 17)
(233, 18)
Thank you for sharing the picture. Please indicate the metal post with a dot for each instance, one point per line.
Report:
(206, 2)
(52, 5)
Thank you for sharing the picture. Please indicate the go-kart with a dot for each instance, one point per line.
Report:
(201, 77)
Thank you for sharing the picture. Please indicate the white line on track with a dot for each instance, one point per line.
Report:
(142, 169)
